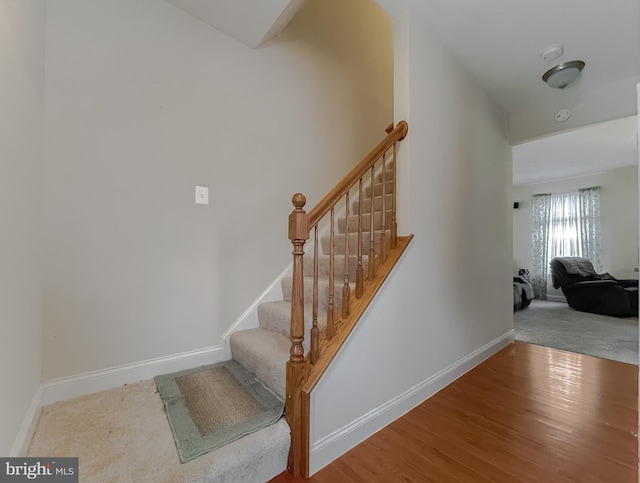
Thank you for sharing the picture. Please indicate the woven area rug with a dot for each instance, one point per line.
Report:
(554, 324)
(211, 406)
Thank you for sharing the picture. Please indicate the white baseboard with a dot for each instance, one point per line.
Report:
(23, 439)
(331, 447)
(90, 382)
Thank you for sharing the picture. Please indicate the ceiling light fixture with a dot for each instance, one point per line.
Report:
(563, 74)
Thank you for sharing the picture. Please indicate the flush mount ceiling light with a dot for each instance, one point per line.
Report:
(564, 74)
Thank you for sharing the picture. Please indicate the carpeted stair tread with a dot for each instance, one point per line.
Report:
(259, 456)
(264, 353)
(323, 292)
(388, 175)
(377, 203)
(339, 242)
(378, 189)
(276, 316)
(366, 221)
(338, 265)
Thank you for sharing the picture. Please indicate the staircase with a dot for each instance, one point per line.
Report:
(318, 300)
(265, 351)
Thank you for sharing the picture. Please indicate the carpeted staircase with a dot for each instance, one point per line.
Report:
(122, 434)
(264, 351)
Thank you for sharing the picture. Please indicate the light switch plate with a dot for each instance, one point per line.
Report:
(202, 195)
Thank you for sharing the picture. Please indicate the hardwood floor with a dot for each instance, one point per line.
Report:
(528, 413)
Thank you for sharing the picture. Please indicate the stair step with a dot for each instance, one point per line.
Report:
(377, 204)
(264, 353)
(258, 456)
(339, 242)
(366, 222)
(388, 175)
(378, 189)
(338, 268)
(276, 316)
(323, 292)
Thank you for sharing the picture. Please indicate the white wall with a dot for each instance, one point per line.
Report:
(611, 101)
(143, 103)
(451, 294)
(618, 219)
(22, 24)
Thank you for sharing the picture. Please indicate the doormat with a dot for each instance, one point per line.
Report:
(213, 405)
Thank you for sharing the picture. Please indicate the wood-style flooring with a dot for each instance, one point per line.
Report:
(528, 413)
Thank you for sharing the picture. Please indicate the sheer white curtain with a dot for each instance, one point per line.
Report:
(541, 215)
(564, 226)
(590, 238)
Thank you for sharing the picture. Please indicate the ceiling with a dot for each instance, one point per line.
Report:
(252, 22)
(499, 42)
(587, 150)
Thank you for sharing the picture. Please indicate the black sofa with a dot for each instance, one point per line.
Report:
(522, 293)
(589, 291)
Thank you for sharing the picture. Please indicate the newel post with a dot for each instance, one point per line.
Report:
(298, 234)
(297, 368)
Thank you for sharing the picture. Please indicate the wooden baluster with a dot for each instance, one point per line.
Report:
(330, 309)
(383, 228)
(359, 271)
(297, 368)
(346, 289)
(372, 255)
(394, 224)
(315, 333)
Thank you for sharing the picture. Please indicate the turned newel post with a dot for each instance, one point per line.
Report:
(297, 368)
(298, 234)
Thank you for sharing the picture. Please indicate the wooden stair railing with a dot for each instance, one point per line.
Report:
(305, 370)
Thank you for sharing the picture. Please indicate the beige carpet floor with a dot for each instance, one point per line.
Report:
(555, 324)
(122, 435)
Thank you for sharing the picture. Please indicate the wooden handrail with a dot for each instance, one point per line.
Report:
(323, 207)
(389, 128)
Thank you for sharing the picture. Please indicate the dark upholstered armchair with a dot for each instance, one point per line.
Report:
(589, 291)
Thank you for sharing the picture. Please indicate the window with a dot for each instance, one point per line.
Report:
(564, 238)
(566, 225)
